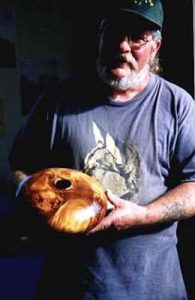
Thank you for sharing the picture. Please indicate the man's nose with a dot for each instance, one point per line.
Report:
(124, 44)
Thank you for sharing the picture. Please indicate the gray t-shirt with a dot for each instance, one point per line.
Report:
(138, 149)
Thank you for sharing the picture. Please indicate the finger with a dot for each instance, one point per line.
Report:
(103, 225)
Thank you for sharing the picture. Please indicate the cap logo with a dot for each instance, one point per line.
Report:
(140, 2)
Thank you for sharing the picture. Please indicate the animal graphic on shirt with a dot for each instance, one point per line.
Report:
(115, 169)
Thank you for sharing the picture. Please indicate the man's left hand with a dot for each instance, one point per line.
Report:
(124, 215)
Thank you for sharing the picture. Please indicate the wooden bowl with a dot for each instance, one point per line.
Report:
(69, 200)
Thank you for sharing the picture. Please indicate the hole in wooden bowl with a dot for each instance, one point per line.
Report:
(63, 184)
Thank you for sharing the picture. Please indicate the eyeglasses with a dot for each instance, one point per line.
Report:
(136, 40)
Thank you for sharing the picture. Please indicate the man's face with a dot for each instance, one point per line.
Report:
(124, 54)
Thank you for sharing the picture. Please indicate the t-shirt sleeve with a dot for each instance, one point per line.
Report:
(30, 146)
(183, 160)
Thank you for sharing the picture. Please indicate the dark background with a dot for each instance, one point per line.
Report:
(21, 252)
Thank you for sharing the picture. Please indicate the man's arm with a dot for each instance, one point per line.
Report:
(176, 204)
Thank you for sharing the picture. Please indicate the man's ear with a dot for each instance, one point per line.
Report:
(155, 48)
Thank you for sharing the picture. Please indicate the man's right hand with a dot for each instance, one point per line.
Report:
(17, 180)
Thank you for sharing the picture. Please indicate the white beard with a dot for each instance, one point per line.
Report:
(124, 83)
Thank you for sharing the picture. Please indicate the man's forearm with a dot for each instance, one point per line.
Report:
(177, 204)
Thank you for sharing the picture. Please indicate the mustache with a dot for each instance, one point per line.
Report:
(124, 58)
(118, 58)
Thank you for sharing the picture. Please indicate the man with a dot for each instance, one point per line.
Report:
(134, 134)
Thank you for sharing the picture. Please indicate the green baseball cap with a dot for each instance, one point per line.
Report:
(150, 10)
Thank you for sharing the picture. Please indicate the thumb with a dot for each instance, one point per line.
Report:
(115, 200)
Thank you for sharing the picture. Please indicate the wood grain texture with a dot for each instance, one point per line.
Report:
(69, 200)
